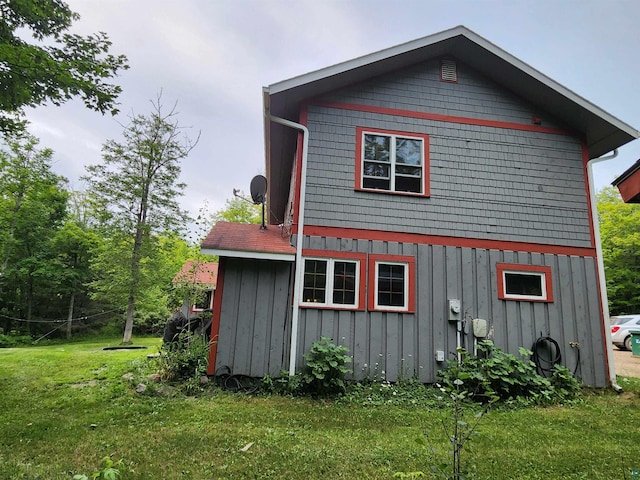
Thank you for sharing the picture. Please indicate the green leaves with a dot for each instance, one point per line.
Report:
(55, 66)
(326, 367)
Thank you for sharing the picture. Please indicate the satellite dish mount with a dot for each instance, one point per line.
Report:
(258, 190)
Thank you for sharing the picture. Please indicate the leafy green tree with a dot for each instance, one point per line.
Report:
(42, 63)
(239, 210)
(73, 245)
(32, 207)
(135, 191)
(620, 237)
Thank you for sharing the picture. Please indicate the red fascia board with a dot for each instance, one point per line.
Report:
(215, 319)
(629, 188)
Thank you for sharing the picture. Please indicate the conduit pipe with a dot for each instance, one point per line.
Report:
(600, 264)
(297, 286)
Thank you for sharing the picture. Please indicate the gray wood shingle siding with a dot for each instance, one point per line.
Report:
(404, 345)
(486, 182)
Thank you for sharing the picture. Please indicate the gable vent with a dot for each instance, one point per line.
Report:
(448, 71)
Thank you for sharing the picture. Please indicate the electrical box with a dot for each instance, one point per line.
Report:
(454, 310)
(439, 355)
(480, 328)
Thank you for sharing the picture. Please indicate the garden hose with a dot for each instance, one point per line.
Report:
(544, 365)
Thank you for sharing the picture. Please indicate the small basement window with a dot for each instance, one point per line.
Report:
(524, 282)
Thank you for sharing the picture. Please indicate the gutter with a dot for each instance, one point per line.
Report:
(604, 300)
(298, 276)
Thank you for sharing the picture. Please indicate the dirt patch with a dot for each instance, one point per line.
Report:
(90, 383)
(626, 364)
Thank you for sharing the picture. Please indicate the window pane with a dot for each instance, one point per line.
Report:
(376, 183)
(315, 281)
(408, 184)
(408, 151)
(344, 283)
(391, 285)
(376, 169)
(376, 147)
(523, 284)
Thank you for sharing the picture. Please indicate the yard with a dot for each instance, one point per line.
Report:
(65, 407)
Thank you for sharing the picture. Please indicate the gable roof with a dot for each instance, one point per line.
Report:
(203, 273)
(243, 240)
(603, 132)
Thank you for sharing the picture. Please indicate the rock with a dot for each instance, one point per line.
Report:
(127, 376)
(155, 377)
(141, 388)
(204, 380)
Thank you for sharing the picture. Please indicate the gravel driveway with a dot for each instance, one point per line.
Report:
(626, 364)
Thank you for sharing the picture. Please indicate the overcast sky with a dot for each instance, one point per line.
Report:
(213, 57)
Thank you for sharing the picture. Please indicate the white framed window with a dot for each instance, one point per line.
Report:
(525, 283)
(392, 283)
(331, 282)
(204, 301)
(391, 161)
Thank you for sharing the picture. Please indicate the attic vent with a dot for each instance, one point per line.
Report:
(449, 71)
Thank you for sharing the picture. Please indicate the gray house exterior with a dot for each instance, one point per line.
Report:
(415, 190)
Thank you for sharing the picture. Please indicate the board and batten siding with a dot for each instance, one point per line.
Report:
(404, 345)
(254, 335)
(486, 182)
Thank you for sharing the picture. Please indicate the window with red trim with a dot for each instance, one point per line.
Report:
(392, 162)
(391, 283)
(332, 279)
(532, 283)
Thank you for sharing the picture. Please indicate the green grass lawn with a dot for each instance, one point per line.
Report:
(65, 407)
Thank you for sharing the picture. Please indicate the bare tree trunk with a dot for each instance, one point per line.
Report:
(135, 280)
(70, 316)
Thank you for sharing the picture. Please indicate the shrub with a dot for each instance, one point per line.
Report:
(326, 367)
(497, 374)
(184, 360)
(8, 341)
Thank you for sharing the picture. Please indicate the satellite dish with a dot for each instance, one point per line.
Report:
(258, 189)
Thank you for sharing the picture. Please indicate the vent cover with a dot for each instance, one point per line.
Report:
(449, 71)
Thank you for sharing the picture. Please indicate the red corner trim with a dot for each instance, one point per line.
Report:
(501, 267)
(215, 319)
(411, 262)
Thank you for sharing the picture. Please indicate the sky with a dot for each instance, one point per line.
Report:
(211, 58)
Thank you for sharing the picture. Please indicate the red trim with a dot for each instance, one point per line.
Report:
(426, 181)
(444, 118)
(513, 267)
(629, 188)
(418, 238)
(215, 318)
(382, 258)
(361, 258)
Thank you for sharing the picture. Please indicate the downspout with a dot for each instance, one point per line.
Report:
(297, 286)
(601, 277)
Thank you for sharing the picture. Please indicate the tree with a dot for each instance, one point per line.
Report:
(56, 66)
(135, 190)
(32, 207)
(239, 210)
(620, 237)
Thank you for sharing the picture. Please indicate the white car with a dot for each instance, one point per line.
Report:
(621, 328)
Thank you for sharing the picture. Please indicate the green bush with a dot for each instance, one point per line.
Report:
(495, 374)
(185, 360)
(326, 368)
(9, 341)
